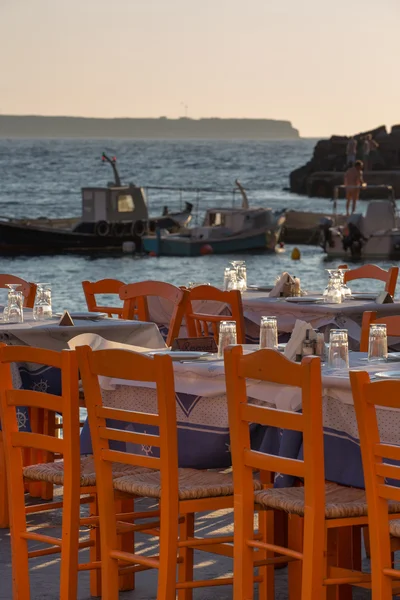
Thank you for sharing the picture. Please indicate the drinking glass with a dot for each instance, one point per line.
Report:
(42, 309)
(14, 311)
(230, 279)
(241, 274)
(268, 333)
(227, 336)
(345, 290)
(332, 292)
(377, 346)
(338, 356)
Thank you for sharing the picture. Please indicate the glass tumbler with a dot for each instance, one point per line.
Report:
(230, 279)
(241, 274)
(377, 343)
(15, 311)
(227, 336)
(42, 309)
(268, 333)
(338, 356)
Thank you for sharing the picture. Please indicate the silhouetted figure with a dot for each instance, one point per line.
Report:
(351, 151)
(353, 180)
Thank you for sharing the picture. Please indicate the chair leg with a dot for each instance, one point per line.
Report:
(4, 516)
(95, 551)
(266, 588)
(169, 513)
(126, 543)
(49, 428)
(185, 569)
(70, 545)
(340, 554)
(243, 556)
(356, 546)
(295, 569)
(366, 541)
(315, 558)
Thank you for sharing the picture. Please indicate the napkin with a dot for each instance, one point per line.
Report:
(293, 347)
(275, 292)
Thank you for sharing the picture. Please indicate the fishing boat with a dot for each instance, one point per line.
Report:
(223, 231)
(375, 235)
(113, 218)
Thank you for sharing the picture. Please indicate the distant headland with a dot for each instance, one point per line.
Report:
(22, 126)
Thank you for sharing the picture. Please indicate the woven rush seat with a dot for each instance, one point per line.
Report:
(53, 472)
(340, 501)
(193, 484)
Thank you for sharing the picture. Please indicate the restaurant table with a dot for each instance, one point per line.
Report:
(50, 335)
(322, 316)
(202, 415)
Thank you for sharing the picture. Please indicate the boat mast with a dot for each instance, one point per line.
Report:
(113, 162)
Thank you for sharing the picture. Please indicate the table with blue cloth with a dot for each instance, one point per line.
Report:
(202, 414)
(51, 336)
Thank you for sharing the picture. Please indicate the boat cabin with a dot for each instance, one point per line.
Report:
(113, 204)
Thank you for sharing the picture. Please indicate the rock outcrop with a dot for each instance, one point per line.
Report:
(330, 156)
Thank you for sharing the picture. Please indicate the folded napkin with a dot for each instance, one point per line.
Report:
(294, 345)
(275, 292)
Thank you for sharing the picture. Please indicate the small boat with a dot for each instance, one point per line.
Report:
(111, 216)
(224, 230)
(375, 235)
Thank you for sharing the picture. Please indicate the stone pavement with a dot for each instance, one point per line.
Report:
(44, 571)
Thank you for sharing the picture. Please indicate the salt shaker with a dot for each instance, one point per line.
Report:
(308, 345)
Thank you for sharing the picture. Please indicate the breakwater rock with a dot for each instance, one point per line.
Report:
(328, 163)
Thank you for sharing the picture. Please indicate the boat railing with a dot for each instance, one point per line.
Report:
(222, 197)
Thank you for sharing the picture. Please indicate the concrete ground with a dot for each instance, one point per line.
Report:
(44, 572)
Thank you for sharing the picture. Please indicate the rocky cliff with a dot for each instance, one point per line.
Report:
(330, 156)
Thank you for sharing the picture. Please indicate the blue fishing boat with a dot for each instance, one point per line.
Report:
(224, 231)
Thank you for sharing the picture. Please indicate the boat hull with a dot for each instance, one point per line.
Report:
(19, 239)
(181, 246)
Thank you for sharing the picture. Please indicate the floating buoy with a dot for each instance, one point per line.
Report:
(206, 249)
(152, 253)
(296, 254)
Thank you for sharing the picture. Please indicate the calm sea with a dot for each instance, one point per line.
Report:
(44, 178)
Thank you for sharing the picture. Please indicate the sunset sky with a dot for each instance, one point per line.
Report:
(328, 66)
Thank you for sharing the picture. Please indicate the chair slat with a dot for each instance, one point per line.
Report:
(264, 415)
(129, 437)
(387, 471)
(37, 356)
(38, 441)
(383, 393)
(130, 416)
(277, 464)
(389, 492)
(387, 451)
(34, 400)
(136, 460)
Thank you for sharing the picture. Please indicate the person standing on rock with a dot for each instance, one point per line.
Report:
(351, 151)
(353, 180)
(369, 147)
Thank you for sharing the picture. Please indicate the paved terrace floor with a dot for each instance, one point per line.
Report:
(44, 572)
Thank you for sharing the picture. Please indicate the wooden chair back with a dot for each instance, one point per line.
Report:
(271, 366)
(103, 286)
(375, 272)
(200, 324)
(123, 364)
(369, 317)
(28, 289)
(43, 447)
(375, 454)
(135, 297)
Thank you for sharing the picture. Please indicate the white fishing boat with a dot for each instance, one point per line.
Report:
(373, 235)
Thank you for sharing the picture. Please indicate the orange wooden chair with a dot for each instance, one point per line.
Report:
(389, 277)
(135, 297)
(384, 528)
(104, 286)
(318, 511)
(28, 289)
(370, 317)
(75, 474)
(199, 324)
(182, 492)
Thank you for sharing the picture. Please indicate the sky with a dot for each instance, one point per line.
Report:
(328, 66)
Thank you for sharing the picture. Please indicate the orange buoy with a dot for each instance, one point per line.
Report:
(152, 253)
(206, 249)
